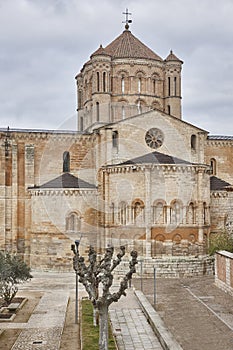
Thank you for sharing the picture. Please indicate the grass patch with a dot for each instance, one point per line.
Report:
(90, 334)
(220, 241)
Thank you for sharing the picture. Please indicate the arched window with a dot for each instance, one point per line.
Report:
(97, 111)
(213, 166)
(193, 142)
(139, 85)
(139, 107)
(123, 112)
(138, 212)
(79, 98)
(112, 211)
(122, 85)
(175, 86)
(104, 82)
(98, 81)
(122, 213)
(159, 213)
(205, 214)
(66, 162)
(115, 139)
(168, 109)
(175, 213)
(169, 86)
(191, 214)
(81, 124)
(73, 223)
(154, 86)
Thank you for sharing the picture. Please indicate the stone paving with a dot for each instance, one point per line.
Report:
(44, 328)
(130, 326)
(197, 313)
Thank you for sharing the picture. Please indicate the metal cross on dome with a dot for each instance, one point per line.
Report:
(127, 20)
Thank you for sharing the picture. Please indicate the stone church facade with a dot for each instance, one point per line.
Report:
(134, 172)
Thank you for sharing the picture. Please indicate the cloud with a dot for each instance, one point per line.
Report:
(44, 43)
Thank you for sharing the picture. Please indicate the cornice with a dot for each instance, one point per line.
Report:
(62, 192)
(168, 168)
(221, 143)
(218, 194)
(34, 136)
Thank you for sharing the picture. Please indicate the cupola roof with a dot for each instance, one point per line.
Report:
(127, 45)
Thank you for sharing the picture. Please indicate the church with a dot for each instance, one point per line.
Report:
(134, 173)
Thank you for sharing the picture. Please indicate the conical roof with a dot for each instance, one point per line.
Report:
(127, 45)
(172, 57)
(100, 51)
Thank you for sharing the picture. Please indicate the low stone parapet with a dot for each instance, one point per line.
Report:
(224, 271)
(172, 267)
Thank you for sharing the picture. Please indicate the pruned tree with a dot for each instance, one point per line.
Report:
(13, 270)
(98, 275)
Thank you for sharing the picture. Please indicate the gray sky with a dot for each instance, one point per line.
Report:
(44, 43)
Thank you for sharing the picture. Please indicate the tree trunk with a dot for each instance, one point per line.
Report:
(95, 316)
(103, 327)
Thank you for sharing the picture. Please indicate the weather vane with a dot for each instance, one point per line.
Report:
(127, 20)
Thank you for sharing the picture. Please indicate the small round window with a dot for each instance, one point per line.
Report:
(154, 138)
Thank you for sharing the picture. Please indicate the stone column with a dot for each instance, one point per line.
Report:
(14, 196)
(29, 182)
(147, 175)
(2, 194)
(200, 222)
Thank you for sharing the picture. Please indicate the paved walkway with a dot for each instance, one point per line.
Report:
(130, 326)
(44, 328)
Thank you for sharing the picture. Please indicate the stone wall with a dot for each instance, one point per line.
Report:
(172, 267)
(221, 152)
(224, 271)
(221, 211)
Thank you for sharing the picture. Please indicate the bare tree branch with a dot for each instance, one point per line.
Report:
(102, 272)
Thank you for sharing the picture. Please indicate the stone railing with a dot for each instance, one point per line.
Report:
(224, 271)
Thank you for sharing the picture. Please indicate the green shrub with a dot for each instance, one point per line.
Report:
(13, 271)
(220, 241)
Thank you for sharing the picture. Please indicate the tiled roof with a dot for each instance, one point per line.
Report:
(67, 180)
(127, 45)
(172, 57)
(217, 184)
(100, 51)
(220, 137)
(49, 131)
(157, 158)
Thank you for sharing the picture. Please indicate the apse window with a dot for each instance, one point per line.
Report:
(213, 166)
(115, 139)
(193, 142)
(66, 162)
